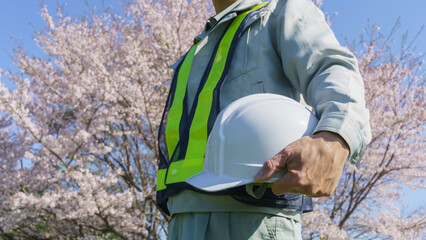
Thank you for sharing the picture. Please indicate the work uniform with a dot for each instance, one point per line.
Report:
(287, 48)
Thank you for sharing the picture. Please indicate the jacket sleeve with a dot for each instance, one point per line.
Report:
(325, 73)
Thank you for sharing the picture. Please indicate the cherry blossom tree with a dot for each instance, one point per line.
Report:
(78, 133)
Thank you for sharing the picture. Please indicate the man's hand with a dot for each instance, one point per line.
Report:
(313, 163)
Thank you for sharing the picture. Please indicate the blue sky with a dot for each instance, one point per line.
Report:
(353, 16)
(20, 18)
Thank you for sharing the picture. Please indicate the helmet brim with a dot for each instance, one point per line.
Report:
(210, 182)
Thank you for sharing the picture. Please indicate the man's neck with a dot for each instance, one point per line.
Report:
(220, 5)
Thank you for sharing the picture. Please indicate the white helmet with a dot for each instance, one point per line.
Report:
(248, 132)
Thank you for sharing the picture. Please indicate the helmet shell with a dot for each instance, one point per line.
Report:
(246, 134)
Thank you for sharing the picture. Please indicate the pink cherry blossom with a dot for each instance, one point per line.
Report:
(78, 134)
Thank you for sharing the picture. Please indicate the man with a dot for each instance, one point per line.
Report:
(283, 47)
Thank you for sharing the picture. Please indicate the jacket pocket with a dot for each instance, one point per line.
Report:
(257, 87)
(246, 55)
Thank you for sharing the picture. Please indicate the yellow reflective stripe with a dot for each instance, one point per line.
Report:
(175, 112)
(179, 171)
(161, 175)
(198, 131)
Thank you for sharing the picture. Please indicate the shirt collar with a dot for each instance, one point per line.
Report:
(237, 6)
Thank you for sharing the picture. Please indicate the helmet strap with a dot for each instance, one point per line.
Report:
(258, 193)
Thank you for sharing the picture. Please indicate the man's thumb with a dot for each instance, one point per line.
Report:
(269, 168)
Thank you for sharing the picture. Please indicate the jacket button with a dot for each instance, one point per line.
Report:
(174, 171)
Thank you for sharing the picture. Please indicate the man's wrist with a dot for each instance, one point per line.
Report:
(335, 139)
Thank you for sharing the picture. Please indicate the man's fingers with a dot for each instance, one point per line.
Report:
(293, 182)
(270, 167)
(286, 184)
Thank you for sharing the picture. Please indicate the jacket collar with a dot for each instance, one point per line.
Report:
(230, 12)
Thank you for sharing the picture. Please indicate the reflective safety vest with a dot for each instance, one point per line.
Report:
(183, 132)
